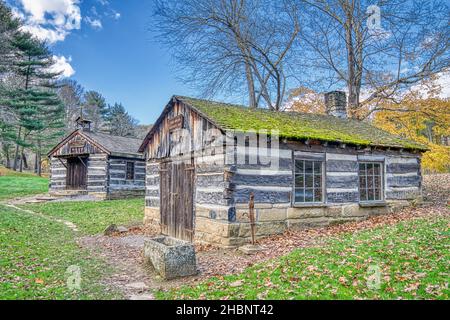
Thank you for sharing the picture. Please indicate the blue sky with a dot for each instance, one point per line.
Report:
(110, 48)
(107, 46)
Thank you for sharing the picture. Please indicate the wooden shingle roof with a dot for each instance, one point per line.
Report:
(113, 145)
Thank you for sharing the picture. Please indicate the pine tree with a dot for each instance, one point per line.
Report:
(35, 97)
(119, 122)
(95, 109)
(9, 27)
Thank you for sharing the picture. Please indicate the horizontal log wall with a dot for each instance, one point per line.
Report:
(270, 179)
(97, 173)
(341, 181)
(403, 178)
(152, 185)
(210, 181)
(118, 184)
(57, 175)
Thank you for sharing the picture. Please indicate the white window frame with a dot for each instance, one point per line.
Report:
(322, 177)
(382, 184)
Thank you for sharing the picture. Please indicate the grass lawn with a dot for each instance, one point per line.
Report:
(412, 257)
(35, 255)
(93, 217)
(15, 184)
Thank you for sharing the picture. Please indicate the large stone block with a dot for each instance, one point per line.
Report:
(171, 258)
(269, 228)
(98, 195)
(242, 215)
(352, 210)
(211, 213)
(397, 205)
(257, 205)
(309, 222)
(271, 214)
(152, 213)
(300, 212)
(215, 227)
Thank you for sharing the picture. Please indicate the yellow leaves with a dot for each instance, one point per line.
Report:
(305, 100)
(426, 121)
(437, 159)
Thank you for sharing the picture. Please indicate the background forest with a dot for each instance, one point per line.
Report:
(38, 107)
(389, 57)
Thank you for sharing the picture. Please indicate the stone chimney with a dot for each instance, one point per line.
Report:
(336, 104)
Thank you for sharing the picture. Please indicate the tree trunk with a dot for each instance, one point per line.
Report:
(16, 153)
(352, 92)
(251, 86)
(39, 159)
(8, 160)
(39, 165)
(36, 162)
(23, 160)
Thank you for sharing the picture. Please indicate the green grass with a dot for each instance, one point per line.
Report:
(35, 255)
(15, 184)
(93, 217)
(413, 259)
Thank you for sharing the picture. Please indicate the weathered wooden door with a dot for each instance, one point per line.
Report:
(177, 199)
(76, 174)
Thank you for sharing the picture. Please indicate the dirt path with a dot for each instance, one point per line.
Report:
(68, 224)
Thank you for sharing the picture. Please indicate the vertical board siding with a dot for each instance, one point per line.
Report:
(77, 145)
(159, 145)
(177, 207)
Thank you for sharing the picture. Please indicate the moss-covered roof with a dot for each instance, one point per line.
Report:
(298, 126)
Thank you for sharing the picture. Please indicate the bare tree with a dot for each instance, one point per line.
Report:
(229, 45)
(376, 49)
(71, 94)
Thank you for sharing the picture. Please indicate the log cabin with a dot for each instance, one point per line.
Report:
(205, 160)
(97, 164)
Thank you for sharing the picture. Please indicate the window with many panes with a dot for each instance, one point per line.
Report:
(370, 181)
(308, 181)
(130, 171)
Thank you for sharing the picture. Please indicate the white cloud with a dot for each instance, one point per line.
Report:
(116, 15)
(54, 20)
(50, 20)
(62, 64)
(443, 81)
(94, 22)
(103, 2)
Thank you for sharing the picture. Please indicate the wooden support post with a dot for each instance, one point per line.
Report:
(84, 164)
(251, 211)
(62, 163)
